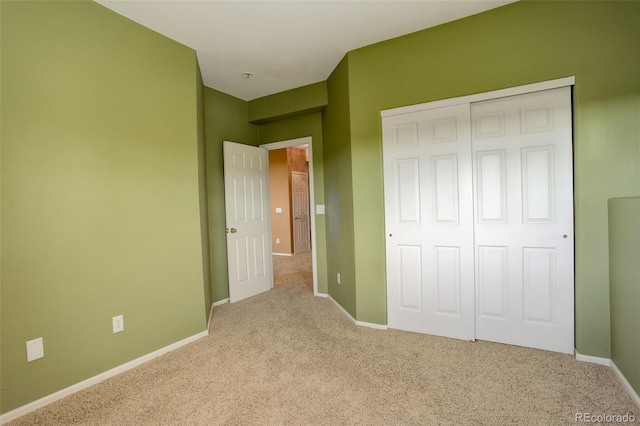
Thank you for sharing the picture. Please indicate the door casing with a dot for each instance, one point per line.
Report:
(308, 140)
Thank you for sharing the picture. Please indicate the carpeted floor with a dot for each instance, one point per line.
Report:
(286, 357)
(293, 273)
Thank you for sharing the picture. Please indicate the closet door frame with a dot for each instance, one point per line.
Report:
(479, 97)
(468, 100)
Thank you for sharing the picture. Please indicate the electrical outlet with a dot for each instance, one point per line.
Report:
(118, 323)
(338, 278)
(35, 349)
(277, 241)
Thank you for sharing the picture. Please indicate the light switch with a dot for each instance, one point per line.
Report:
(320, 209)
(35, 349)
(278, 209)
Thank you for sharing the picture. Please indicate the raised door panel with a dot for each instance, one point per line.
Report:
(538, 185)
(410, 277)
(492, 277)
(539, 282)
(447, 280)
(242, 263)
(445, 189)
(239, 199)
(491, 193)
(408, 190)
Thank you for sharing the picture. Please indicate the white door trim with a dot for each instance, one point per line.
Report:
(478, 97)
(307, 140)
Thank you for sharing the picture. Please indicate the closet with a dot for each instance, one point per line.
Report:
(479, 217)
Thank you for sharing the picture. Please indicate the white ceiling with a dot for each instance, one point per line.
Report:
(285, 44)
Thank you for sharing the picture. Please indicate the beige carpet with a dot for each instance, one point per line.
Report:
(287, 357)
(293, 273)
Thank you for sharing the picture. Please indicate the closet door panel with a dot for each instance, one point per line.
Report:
(429, 222)
(536, 230)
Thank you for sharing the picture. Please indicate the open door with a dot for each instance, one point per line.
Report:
(246, 184)
(300, 207)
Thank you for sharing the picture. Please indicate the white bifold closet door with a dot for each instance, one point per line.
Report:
(479, 220)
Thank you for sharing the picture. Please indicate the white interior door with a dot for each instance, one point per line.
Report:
(522, 148)
(300, 201)
(429, 222)
(246, 182)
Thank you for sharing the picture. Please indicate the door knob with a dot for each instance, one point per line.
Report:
(233, 230)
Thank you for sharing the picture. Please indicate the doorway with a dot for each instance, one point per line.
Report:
(293, 267)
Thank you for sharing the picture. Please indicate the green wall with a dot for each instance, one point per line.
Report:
(100, 204)
(524, 42)
(225, 120)
(339, 189)
(624, 246)
(293, 128)
(291, 103)
(202, 193)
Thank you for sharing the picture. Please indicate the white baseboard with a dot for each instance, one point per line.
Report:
(32, 406)
(282, 254)
(210, 319)
(213, 305)
(220, 302)
(356, 322)
(372, 325)
(609, 363)
(343, 310)
(325, 295)
(593, 359)
(632, 393)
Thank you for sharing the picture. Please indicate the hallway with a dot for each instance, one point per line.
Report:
(293, 273)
